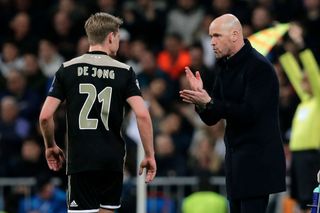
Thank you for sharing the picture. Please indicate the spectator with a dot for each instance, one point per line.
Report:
(13, 129)
(82, 45)
(137, 47)
(31, 162)
(169, 161)
(197, 58)
(145, 16)
(124, 46)
(48, 198)
(238, 8)
(261, 18)
(63, 35)
(309, 17)
(174, 125)
(28, 100)
(36, 81)
(75, 10)
(174, 57)
(108, 6)
(150, 78)
(49, 58)
(21, 32)
(10, 58)
(203, 155)
(203, 37)
(184, 20)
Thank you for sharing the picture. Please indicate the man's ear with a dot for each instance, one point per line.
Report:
(234, 36)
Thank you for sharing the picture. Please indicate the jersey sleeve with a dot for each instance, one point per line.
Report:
(57, 90)
(132, 85)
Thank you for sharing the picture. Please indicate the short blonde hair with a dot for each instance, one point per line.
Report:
(99, 25)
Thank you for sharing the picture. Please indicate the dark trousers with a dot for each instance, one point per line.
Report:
(250, 205)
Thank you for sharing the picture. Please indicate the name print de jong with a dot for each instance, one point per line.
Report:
(96, 72)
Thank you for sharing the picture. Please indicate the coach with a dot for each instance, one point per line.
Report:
(245, 94)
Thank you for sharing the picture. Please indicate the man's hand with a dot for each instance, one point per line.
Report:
(149, 163)
(194, 81)
(55, 158)
(199, 97)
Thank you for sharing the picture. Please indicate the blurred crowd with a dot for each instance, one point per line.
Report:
(158, 39)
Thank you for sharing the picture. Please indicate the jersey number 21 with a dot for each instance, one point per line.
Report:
(104, 96)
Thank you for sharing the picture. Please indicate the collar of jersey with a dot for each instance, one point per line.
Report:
(97, 52)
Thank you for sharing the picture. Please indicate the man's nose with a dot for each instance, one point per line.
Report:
(213, 42)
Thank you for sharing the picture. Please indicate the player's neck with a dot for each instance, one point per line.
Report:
(98, 48)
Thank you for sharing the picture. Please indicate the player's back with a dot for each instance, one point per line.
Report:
(95, 87)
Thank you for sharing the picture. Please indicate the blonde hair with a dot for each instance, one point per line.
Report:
(99, 25)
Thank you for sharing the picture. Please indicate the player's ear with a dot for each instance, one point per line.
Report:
(110, 37)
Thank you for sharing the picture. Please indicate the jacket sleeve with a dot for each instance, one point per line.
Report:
(212, 114)
(261, 91)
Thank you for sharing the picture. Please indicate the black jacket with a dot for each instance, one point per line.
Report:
(246, 94)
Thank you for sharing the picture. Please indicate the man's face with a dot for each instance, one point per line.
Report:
(220, 39)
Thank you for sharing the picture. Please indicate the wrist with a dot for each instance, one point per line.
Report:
(50, 145)
(205, 105)
(149, 154)
(209, 103)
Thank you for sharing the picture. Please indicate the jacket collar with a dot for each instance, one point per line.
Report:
(239, 57)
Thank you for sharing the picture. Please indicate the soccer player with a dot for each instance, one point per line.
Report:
(96, 88)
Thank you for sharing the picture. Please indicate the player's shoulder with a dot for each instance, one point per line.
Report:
(73, 61)
(116, 63)
(96, 60)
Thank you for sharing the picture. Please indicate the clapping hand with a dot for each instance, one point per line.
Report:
(194, 81)
(197, 95)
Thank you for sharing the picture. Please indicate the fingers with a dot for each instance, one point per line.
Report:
(198, 76)
(150, 176)
(187, 69)
(53, 165)
(150, 167)
(189, 73)
(140, 170)
(187, 99)
(50, 165)
(187, 96)
(142, 165)
(55, 161)
(189, 92)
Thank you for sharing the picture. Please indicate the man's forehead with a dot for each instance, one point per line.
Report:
(215, 27)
